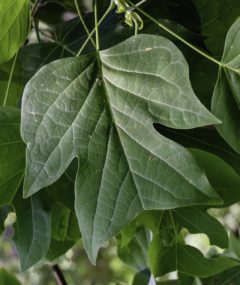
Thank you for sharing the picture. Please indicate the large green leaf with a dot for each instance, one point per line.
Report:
(7, 278)
(12, 154)
(32, 229)
(226, 97)
(14, 26)
(216, 18)
(102, 110)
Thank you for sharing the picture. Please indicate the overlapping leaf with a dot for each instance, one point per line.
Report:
(32, 230)
(102, 110)
(184, 258)
(226, 97)
(14, 26)
(12, 154)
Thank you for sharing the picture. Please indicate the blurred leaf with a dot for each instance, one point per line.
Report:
(4, 211)
(14, 27)
(234, 245)
(12, 154)
(142, 278)
(7, 278)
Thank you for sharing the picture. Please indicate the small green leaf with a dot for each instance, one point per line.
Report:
(12, 154)
(7, 279)
(104, 115)
(14, 26)
(32, 230)
(221, 176)
(184, 258)
(134, 254)
(199, 221)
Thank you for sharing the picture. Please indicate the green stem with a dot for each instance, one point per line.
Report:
(58, 43)
(10, 79)
(96, 25)
(176, 35)
(201, 52)
(83, 22)
(99, 23)
(173, 224)
(136, 27)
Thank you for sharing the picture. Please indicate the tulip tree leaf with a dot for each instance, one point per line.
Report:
(226, 97)
(32, 229)
(101, 109)
(14, 26)
(12, 154)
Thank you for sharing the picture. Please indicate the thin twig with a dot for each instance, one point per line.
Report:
(83, 22)
(57, 272)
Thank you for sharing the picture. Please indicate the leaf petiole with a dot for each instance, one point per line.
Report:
(111, 6)
(10, 79)
(83, 23)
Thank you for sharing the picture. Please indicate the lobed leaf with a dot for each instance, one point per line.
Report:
(102, 110)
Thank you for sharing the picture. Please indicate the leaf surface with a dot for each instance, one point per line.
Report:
(102, 111)
(32, 230)
(12, 154)
(216, 18)
(226, 96)
(14, 26)
(184, 258)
